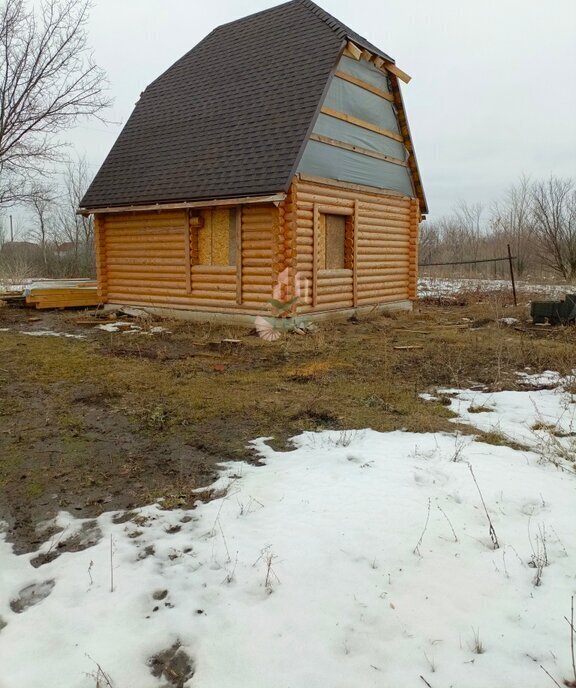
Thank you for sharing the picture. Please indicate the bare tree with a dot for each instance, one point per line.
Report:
(429, 241)
(42, 205)
(512, 222)
(469, 217)
(48, 80)
(73, 229)
(554, 217)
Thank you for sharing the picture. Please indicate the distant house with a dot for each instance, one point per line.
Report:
(66, 248)
(274, 160)
(20, 250)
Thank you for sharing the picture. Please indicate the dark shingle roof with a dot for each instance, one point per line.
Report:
(230, 118)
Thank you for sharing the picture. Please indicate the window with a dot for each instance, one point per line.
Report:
(335, 242)
(215, 233)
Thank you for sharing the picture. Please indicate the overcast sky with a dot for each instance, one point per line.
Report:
(492, 96)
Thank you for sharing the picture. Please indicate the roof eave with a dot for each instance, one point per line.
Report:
(183, 205)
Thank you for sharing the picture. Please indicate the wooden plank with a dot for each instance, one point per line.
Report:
(62, 298)
(339, 290)
(163, 290)
(153, 278)
(387, 223)
(378, 61)
(357, 149)
(353, 50)
(148, 261)
(213, 269)
(209, 203)
(123, 223)
(147, 252)
(180, 285)
(392, 197)
(332, 280)
(393, 69)
(216, 279)
(71, 292)
(366, 55)
(360, 123)
(365, 85)
(343, 274)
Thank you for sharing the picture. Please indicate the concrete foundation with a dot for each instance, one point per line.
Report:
(245, 320)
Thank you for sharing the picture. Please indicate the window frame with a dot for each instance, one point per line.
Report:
(351, 215)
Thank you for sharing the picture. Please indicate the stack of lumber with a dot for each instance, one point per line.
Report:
(79, 293)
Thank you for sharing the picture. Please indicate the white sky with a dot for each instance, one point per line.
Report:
(493, 93)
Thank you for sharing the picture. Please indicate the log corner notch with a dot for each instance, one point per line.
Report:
(352, 50)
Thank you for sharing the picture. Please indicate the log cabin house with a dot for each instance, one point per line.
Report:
(274, 160)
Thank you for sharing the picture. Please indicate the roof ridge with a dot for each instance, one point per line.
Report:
(326, 17)
(256, 14)
(341, 30)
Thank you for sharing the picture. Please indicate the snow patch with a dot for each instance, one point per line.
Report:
(357, 559)
(51, 333)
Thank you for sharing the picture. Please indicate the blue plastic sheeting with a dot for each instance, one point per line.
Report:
(323, 160)
(362, 104)
(365, 71)
(358, 136)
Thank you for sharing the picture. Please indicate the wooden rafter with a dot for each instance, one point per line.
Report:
(353, 50)
(393, 69)
(361, 123)
(365, 85)
(357, 149)
(349, 186)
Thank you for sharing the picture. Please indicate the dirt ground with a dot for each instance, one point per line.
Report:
(116, 420)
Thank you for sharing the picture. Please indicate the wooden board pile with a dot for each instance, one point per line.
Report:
(62, 294)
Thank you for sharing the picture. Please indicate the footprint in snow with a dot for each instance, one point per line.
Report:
(533, 506)
(430, 476)
(31, 595)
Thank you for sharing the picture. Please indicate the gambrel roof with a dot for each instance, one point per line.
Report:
(231, 118)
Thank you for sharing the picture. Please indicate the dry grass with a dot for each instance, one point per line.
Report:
(188, 388)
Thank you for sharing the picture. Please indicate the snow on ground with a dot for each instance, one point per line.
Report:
(130, 328)
(19, 284)
(124, 327)
(358, 559)
(51, 333)
(44, 333)
(26, 284)
(543, 420)
(437, 287)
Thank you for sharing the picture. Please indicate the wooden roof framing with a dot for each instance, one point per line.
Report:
(394, 73)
